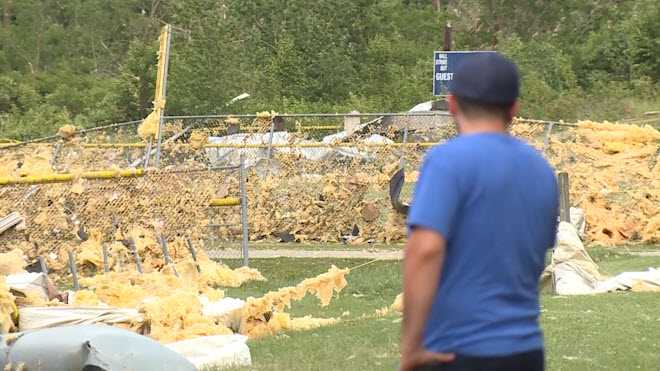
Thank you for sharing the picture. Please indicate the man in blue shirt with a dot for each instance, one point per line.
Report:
(483, 214)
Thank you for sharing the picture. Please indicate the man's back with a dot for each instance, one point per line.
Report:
(494, 200)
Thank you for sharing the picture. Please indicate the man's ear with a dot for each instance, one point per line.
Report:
(452, 105)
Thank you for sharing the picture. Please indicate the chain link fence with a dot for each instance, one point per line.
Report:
(308, 179)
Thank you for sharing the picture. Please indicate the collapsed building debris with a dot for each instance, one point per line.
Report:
(168, 302)
(311, 200)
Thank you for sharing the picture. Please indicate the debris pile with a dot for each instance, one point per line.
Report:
(330, 207)
(613, 169)
(175, 300)
(614, 174)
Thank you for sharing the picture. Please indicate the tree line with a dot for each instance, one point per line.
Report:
(89, 62)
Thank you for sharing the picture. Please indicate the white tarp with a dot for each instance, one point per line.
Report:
(575, 273)
(577, 219)
(211, 352)
(227, 311)
(33, 318)
(231, 156)
(29, 284)
(633, 281)
(422, 107)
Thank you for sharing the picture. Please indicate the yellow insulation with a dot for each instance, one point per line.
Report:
(255, 322)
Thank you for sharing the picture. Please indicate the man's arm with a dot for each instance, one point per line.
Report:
(424, 257)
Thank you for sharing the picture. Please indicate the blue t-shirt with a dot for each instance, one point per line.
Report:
(494, 199)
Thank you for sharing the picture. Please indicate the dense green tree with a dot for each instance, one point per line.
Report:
(93, 61)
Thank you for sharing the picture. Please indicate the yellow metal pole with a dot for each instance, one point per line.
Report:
(226, 201)
(161, 84)
(69, 177)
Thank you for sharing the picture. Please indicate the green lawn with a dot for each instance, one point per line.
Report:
(617, 331)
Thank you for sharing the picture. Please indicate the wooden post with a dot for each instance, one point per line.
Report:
(564, 200)
(118, 267)
(447, 39)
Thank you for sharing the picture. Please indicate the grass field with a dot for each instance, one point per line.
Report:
(617, 331)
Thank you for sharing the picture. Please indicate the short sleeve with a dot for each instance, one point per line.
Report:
(437, 197)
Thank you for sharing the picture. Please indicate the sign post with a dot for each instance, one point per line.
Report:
(444, 66)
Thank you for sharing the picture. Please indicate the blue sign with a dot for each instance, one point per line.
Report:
(444, 66)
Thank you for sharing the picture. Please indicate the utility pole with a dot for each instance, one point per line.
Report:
(447, 39)
(161, 85)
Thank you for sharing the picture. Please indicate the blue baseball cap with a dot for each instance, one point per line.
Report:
(486, 78)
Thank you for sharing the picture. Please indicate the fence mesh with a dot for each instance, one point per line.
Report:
(319, 184)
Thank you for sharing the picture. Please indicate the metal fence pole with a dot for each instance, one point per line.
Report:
(402, 160)
(564, 200)
(73, 270)
(166, 254)
(42, 263)
(270, 138)
(244, 210)
(56, 155)
(136, 255)
(147, 154)
(118, 266)
(548, 133)
(106, 265)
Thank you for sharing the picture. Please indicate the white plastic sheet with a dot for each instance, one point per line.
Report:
(211, 352)
(574, 271)
(648, 281)
(32, 318)
(226, 311)
(231, 156)
(577, 219)
(29, 284)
